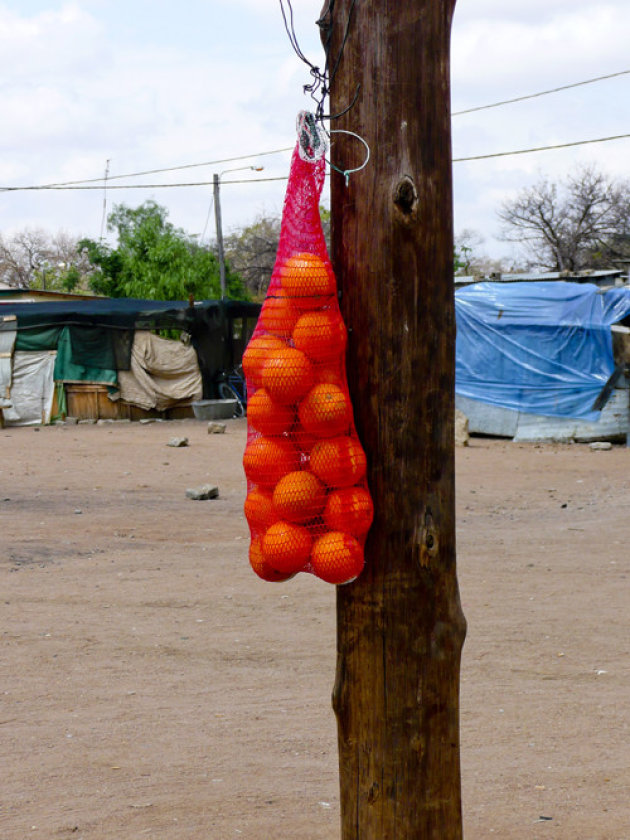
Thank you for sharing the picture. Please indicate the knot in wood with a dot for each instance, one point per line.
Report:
(428, 540)
(406, 195)
(373, 793)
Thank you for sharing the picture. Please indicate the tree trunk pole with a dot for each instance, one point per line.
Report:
(400, 628)
(216, 179)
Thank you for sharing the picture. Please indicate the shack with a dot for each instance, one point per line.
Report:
(75, 356)
(535, 360)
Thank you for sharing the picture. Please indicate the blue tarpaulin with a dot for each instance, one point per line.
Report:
(538, 347)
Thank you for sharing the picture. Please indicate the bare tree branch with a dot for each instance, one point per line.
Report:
(32, 258)
(581, 223)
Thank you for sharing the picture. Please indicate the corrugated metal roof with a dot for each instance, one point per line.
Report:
(598, 277)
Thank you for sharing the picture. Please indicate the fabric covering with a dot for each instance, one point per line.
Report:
(7, 342)
(68, 369)
(163, 373)
(37, 339)
(32, 389)
(538, 347)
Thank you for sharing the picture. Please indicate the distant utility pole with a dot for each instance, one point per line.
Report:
(400, 628)
(104, 214)
(219, 226)
(216, 180)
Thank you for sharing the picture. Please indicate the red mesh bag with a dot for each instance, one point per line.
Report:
(308, 506)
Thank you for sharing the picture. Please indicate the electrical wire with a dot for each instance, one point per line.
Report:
(53, 187)
(99, 180)
(205, 227)
(540, 93)
(61, 187)
(76, 184)
(319, 88)
(164, 169)
(320, 79)
(542, 148)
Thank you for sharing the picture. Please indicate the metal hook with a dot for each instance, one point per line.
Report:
(348, 172)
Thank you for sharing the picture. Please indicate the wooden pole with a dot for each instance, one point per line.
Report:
(400, 625)
(216, 178)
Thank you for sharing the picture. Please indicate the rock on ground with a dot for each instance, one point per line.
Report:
(462, 437)
(206, 491)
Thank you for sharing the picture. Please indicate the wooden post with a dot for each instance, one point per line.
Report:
(216, 179)
(400, 625)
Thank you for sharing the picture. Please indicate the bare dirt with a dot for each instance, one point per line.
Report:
(152, 686)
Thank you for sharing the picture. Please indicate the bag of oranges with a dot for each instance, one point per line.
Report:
(308, 506)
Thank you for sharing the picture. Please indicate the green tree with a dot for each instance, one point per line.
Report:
(154, 260)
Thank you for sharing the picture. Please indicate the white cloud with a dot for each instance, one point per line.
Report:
(60, 41)
(67, 110)
(505, 50)
(93, 80)
(512, 56)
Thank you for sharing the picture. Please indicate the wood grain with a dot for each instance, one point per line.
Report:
(400, 626)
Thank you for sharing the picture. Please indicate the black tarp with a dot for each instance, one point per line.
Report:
(102, 328)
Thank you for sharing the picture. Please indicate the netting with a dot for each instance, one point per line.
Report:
(308, 505)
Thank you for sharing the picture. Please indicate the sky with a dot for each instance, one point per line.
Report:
(151, 84)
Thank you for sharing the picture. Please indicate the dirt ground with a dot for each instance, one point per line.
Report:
(152, 686)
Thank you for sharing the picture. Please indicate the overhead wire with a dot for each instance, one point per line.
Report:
(531, 150)
(53, 187)
(542, 148)
(540, 93)
(205, 227)
(165, 169)
(320, 79)
(319, 88)
(83, 184)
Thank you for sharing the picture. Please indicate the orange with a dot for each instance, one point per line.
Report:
(261, 567)
(287, 375)
(267, 459)
(308, 281)
(325, 411)
(256, 354)
(350, 510)
(259, 509)
(299, 496)
(278, 315)
(337, 557)
(303, 441)
(321, 335)
(286, 547)
(331, 375)
(339, 462)
(269, 417)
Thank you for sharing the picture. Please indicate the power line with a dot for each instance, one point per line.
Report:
(55, 188)
(542, 148)
(60, 187)
(540, 93)
(205, 227)
(165, 169)
(87, 185)
(108, 178)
